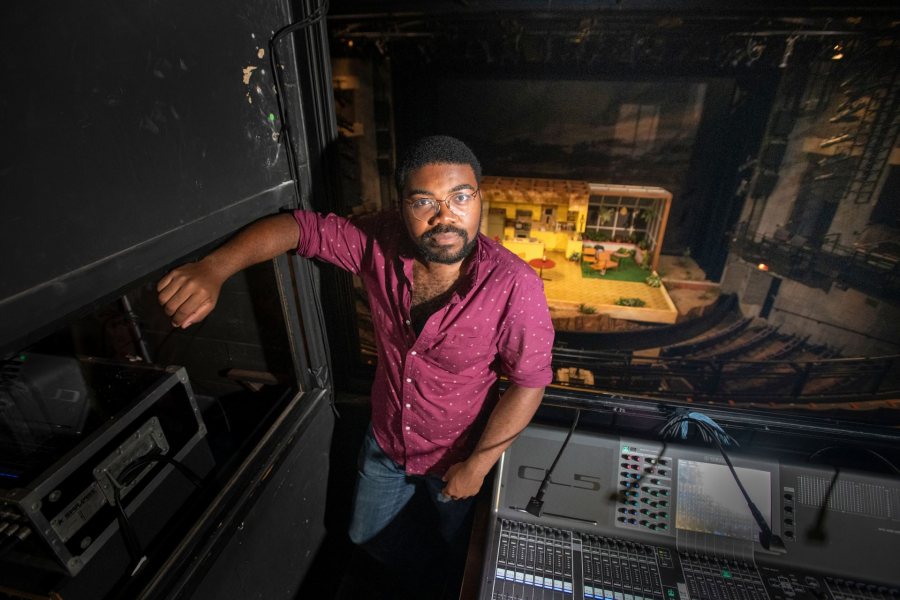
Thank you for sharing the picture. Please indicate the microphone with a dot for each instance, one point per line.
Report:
(535, 505)
(711, 431)
(817, 532)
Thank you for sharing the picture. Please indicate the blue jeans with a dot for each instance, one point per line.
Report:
(378, 523)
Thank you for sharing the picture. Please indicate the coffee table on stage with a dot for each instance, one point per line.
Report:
(541, 264)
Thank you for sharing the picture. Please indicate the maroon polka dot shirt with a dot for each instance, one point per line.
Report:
(432, 393)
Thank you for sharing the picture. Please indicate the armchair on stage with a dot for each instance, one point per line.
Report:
(589, 255)
(604, 260)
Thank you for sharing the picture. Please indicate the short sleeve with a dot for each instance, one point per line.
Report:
(331, 238)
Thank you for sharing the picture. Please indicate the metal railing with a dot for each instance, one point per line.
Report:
(875, 274)
(731, 380)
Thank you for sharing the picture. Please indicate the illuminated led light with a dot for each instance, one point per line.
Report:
(762, 267)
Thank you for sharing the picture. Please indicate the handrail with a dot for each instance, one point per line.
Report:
(820, 266)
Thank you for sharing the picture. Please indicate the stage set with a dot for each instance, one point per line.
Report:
(595, 257)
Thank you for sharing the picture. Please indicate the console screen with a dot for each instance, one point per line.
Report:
(709, 500)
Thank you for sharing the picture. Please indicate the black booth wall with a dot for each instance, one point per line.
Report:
(136, 137)
(133, 135)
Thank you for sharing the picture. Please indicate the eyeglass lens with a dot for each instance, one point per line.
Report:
(457, 202)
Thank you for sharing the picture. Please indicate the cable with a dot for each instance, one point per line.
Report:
(884, 460)
(132, 320)
(536, 503)
(280, 97)
(138, 558)
(135, 551)
(767, 538)
(817, 532)
(150, 459)
(677, 426)
(711, 431)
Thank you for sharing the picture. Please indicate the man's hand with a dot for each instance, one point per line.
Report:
(510, 416)
(463, 481)
(190, 292)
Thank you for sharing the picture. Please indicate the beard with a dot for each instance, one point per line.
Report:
(439, 255)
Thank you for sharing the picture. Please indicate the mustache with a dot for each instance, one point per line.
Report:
(444, 228)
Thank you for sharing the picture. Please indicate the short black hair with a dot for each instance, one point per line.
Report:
(435, 150)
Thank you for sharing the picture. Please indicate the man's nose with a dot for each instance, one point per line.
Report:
(444, 213)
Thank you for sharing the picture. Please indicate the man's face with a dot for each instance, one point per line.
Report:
(446, 237)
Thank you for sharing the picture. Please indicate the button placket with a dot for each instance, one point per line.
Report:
(407, 393)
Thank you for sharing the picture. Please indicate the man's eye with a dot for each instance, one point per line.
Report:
(461, 198)
(422, 203)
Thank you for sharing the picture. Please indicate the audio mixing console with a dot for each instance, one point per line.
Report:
(635, 520)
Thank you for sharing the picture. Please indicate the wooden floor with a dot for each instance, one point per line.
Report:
(565, 286)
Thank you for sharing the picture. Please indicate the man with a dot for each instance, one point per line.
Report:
(452, 311)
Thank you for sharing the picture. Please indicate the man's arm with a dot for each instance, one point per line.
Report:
(511, 415)
(190, 292)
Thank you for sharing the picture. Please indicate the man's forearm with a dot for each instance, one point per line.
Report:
(512, 414)
(190, 292)
(261, 241)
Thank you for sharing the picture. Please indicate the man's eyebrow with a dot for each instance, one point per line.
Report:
(456, 188)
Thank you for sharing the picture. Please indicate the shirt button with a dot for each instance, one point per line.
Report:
(413, 352)
(408, 405)
(407, 322)
(408, 380)
(407, 427)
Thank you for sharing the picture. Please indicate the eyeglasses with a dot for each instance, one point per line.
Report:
(459, 203)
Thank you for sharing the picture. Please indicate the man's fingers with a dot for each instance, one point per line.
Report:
(198, 315)
(166, 280)
(188, 294)
(174, 282)
(192, 307)
(166, 293)
(185, 301)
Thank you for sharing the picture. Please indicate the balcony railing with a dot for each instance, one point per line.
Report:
(836, 379)
(867, 270)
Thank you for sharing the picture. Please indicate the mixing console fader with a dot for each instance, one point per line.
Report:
(709, 577)
(614, 568)
(533, 559)
(537, 562)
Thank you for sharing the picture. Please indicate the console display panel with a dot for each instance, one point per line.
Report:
(709, 500)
